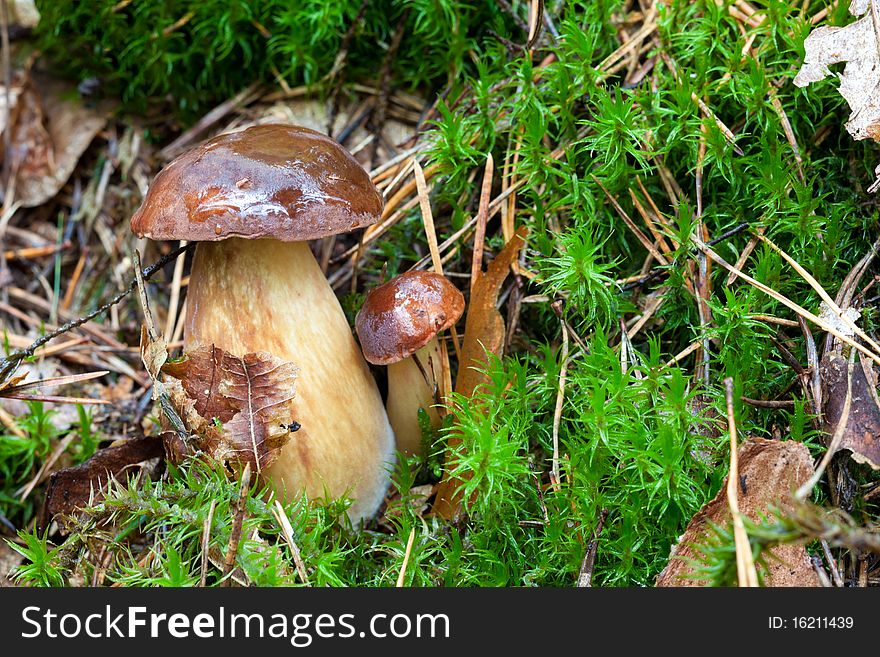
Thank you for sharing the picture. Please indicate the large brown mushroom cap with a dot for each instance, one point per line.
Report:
(280, 181)
(403, 315)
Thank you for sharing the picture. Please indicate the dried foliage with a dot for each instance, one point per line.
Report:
(235, 407)
(483, 337)
(861, 431)
(769, 472)
(71, 489)
(857, 44)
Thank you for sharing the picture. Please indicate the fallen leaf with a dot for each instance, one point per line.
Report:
(23, 13)
(72, 488)
(154, 353)
(237, 406)
(51, 129)
(484, 326)
(861, 435)
(483, 335)
(858, 45)
(770, 471)
(199, 373)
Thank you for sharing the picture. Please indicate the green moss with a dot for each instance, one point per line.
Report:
(632, 443)
(197, 53)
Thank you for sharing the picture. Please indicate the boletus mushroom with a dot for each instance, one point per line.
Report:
(398, 326)
(252, 200)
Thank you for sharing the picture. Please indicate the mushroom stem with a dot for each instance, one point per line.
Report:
(410, 388)
(271, 296)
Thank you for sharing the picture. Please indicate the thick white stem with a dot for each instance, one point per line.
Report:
(265, 295)
(409, 389)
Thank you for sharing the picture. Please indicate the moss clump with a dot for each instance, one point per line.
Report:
(199, 52)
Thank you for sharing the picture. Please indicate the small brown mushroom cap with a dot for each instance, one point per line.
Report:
(401, 316)
(279, 181)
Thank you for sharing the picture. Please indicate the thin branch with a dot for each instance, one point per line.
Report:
(10, 363)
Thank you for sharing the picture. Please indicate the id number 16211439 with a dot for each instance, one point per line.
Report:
(811, 623)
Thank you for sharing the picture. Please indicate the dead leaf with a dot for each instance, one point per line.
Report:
(483, 335)
(154, 353)
(769, 471)
(51, 129)
(72, 488)
(861, 436)
(237, 406)
(199, 375)
(23, 13)
(484, 326)
(857, 44)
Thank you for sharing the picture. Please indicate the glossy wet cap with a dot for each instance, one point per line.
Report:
(279, 181)
(403, 315)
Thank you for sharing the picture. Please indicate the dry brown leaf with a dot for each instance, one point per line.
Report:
(857, 44)
(769, 471)
(483, 335)
(861, 435)
(484, 326)
(154, 354)
(199, 375)
(236, 406)
(51, 129)
(75, 487)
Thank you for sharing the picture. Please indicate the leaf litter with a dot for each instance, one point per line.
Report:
(857, 44)
(769, 472)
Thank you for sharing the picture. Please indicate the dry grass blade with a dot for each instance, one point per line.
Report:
(427, 216)
(30, 391)
(409, 544)
(51, 382)
(206, 540)
(11, 426)
(482, 218)
(648, 244)
(431, 232)
(237, 522)
(46, 468)
(287, 530)
(806, 314)
(841, 315)
(557, 412)
(175, 296)
(687, 351)
(836, 439)
(745, 565)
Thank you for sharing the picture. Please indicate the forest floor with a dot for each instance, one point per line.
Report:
(684, 247)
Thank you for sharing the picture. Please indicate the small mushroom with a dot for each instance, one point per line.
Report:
(398, 327)
(252, 199)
